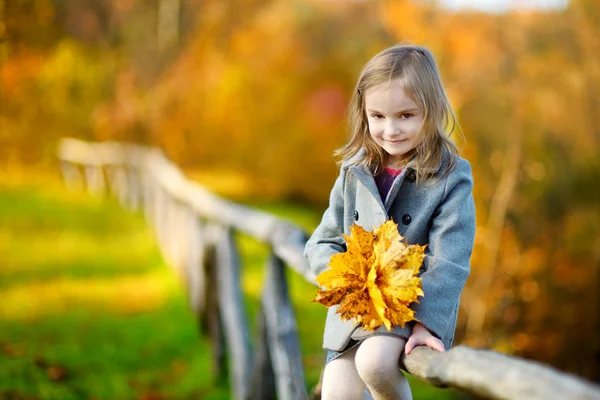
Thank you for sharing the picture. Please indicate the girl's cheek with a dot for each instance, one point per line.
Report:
(372, 127)
(379, 125)
(414, 125)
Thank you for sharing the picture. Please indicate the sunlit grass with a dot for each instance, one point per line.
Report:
(123, 295)
(67, 253)
(88, 308)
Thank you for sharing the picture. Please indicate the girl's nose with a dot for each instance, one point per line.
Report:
(392, 128)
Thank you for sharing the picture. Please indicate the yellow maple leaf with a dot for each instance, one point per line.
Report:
(375, 280)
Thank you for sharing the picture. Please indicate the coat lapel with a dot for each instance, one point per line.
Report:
(366, 178)
(395, 188)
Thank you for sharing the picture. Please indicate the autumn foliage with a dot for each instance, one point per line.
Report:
(375, 280)
(250, 95)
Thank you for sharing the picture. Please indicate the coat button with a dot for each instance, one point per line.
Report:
(356, 215)
(406, 219)
(412, 176)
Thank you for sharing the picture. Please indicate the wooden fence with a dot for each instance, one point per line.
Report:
(194, 230)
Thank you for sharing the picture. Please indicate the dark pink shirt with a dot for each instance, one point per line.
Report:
(384, 181)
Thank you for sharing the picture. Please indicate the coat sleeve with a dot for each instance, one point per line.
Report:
(448, 253)
(327, 238)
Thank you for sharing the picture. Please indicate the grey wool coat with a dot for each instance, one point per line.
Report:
(441, 215)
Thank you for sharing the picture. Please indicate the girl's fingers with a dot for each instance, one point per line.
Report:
(410, 344)
(436, 344)
(431, 342)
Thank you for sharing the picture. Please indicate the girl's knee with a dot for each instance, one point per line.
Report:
(377, 359)
(374, 369)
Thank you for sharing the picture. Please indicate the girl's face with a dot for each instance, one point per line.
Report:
(394, 119)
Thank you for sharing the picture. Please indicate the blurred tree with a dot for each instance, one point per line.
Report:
(259, 87)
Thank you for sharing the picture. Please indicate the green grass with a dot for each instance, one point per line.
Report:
(89, 310)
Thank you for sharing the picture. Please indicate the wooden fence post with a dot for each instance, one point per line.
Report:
(134, 187)
(182, 233)
(148, 194)
(196, 277)
(173, 233)
(94, 178)
(155, 190)
(169, 235)
(117, 180)
(161, 218)
(211, 322)
(71, 174)
(232, 311)
(263, 381)
(283, 334)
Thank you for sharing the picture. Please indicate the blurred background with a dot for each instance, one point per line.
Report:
(248, 97)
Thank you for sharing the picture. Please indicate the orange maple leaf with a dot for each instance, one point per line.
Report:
(375, 280)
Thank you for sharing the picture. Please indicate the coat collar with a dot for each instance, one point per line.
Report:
(365, 176)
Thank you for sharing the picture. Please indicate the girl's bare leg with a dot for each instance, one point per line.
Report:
(377, 365)
(341, 380)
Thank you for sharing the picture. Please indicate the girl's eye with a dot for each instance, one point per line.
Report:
(377, 116)
(406, 116)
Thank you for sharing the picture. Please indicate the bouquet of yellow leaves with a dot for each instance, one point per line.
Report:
(375, 280)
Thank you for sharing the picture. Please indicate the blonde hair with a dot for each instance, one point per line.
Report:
(420, 77)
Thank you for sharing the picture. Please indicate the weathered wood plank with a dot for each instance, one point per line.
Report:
(117, 180)
(283, 334)
(71, 174)
(161, 215)
(94, 179)
(211, 322)
(263, 380)
(498, 376)
(196, 276)
(155, 191)
(147, 195)
(177, 236)
(233, 315)
(80, 152)
(134, 187)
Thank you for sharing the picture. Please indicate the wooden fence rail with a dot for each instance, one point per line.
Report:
(195, 232)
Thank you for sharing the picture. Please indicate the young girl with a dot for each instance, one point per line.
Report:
(398, 164)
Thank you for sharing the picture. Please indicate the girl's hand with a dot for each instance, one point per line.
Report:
(422, 337)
